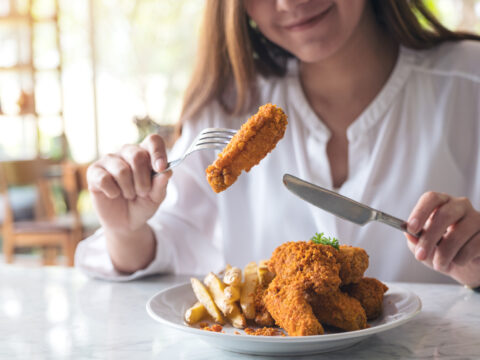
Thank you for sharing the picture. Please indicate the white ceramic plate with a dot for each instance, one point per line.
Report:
(169, 306)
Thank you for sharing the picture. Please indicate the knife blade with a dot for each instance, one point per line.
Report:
(340, 205)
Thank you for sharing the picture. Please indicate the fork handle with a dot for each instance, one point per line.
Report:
(170, 165)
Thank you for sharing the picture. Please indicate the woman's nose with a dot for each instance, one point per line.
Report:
(289, 5)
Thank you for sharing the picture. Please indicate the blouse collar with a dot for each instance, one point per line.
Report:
(371, 114)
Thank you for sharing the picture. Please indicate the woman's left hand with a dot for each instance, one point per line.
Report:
(450, 236)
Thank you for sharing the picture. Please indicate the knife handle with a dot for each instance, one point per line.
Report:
(394, 222)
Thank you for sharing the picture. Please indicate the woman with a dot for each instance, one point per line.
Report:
(379, 108)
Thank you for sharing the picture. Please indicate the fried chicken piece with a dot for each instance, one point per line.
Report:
(265, 277)
(262, 316)
(314, 265)
(353, 262)
(289, 306)
(255, 139)
(301, 268)
(369, 292)
(340, 310)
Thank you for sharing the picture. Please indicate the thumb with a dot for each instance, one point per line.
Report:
(159, 186)
(155, 145)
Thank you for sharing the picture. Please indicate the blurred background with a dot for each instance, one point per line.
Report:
(80, 78)
(84, 70)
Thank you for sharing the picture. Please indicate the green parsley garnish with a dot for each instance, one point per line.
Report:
(324, 240)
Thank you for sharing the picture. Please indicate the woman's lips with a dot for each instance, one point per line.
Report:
(309, 22)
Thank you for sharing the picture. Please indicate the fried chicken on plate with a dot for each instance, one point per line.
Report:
(301, 268)
(369, 292)
(339, 310)
(353, 263)
(317, 284)
(262, 316)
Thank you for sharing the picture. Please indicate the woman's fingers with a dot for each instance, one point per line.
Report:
(454, 240)
(450, 237)
(151, 154)
(159, 186)
(450, 232)
(155, 146)
(470, 251)
(421, 216)
(121, 172)
(100, 180)
(138, 160)
(129, 172)
(443, 217)
(427, 203)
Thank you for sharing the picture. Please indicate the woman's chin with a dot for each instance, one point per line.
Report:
(311, 55)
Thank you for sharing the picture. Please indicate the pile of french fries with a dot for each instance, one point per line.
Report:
(229, 298)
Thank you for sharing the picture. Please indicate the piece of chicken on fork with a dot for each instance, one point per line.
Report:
(255, 139)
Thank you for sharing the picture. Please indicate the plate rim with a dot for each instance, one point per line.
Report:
(283, 339)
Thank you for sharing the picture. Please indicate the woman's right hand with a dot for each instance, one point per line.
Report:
(124, 193)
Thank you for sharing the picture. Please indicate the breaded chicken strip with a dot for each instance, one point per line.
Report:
(353, 262)
(369, 292)
(289, 306)
(262, 316)
(265, 277)
(255, 139)
(339, 310)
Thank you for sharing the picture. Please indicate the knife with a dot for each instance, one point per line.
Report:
(340, 205)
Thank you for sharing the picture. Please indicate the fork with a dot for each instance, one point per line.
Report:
(208, 138)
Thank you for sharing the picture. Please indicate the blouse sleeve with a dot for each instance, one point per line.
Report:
(185, 225)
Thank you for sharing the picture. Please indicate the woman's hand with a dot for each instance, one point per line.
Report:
(450, 236)
(124, 194)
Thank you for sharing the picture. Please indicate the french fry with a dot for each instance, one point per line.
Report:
(237, 318)
(232, 293)
(233, 276)
(222, 272)
(211, 277)
(205, 298)
(265, 276)
(216, 288)
(196, 313)
(230, 309)
(247, 295)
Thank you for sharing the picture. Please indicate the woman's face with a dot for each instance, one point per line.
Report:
(312, 30)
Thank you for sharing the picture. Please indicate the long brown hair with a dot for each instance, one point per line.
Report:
(231, 50)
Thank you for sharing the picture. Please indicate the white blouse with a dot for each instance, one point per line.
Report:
(421, 132)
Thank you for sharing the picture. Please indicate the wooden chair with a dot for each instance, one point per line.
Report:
(47, 230)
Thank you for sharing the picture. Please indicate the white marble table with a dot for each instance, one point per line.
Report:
(57, 313)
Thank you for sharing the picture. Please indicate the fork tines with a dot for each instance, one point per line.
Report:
(215, 136)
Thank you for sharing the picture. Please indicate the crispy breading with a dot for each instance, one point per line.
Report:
(369, 292)
(353, 262)
(262, 316)
(314, 265)
(255, 139)
(288, 305)
(340, 310)
(301, 268)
